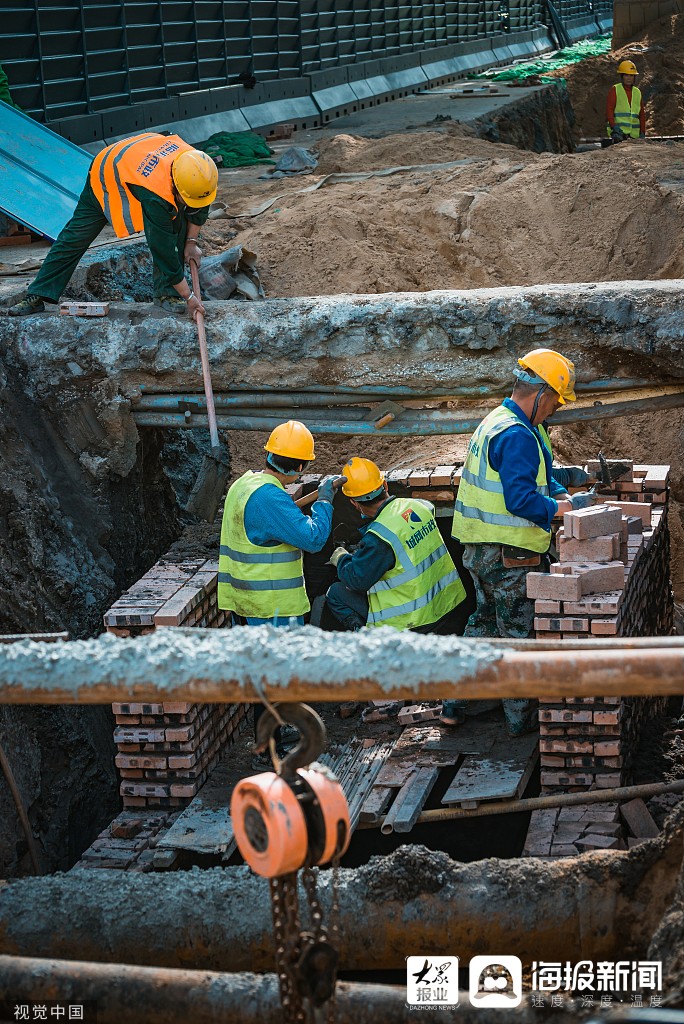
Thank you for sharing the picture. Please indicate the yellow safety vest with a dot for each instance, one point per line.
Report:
(255, 581)
(480, 515)
(626, 113)
(423, 585)
(544, 434)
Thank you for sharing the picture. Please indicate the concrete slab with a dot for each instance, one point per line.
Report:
(297, 108)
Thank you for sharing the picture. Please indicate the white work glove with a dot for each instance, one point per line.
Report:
(336, 555)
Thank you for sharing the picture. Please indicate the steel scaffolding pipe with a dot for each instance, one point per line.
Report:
(591, 907)
(359, 420)
(307, 664)
(330, 395)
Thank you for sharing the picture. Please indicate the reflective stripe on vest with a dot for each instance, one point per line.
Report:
(626, 115)
(423, 584)
(544, 434)
(480, 515)
(142, 160)
(256, 581)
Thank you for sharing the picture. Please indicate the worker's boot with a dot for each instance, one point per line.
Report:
(31, 304)
(171, 303)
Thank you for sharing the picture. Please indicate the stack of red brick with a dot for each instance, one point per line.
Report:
(129, 843)
(613, 579)
(179, 592)
(166, 750)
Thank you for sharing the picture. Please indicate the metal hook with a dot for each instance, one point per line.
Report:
(312, 736)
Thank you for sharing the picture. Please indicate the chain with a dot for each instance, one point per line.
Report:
(287, 928)
(320, 932)
(309, 880)
(334, 924)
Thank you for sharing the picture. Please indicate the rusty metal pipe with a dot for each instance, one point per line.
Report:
(597, 906)
(155, 995)
(536, 803)
(224, 666)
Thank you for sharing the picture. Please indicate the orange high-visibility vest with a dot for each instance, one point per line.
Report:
(142, 160)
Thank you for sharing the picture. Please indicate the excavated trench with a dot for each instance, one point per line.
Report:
(90, 501)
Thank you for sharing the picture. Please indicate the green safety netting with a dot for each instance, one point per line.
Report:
(237, 149)
(559, 59)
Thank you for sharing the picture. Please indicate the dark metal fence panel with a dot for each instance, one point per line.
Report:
(69, 58)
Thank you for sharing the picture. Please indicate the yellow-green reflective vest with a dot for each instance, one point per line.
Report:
(544, 434)
(626, 113)
(255, 581)
(424, 584)
(480, 515)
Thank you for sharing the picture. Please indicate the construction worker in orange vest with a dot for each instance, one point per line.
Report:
(625, 113)
(151, 182)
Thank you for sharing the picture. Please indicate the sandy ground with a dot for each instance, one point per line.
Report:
(505, 217)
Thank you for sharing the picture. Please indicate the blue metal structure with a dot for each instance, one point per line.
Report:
(81, 58)
(41, 174)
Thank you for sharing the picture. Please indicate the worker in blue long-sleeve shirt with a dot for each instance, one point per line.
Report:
(506, 501)
(401, 574)
(263, 535)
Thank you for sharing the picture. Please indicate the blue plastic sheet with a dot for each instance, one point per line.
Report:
(41, 174)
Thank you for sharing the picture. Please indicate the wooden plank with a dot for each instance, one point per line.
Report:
(434, 746)
(205, 825)
(500, 775)
(411, 799)
(375, 804)
(638, 818)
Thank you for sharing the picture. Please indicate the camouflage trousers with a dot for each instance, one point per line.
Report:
(503, 609)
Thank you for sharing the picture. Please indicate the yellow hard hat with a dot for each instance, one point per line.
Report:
(544, 366)
(292, 440)
(627, 67)
(195, 175)
(364, 479)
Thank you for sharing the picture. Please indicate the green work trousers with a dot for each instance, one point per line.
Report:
(503, 609)
(72, 243)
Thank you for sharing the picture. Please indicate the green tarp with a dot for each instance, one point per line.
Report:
(237, 149)
(559, 59)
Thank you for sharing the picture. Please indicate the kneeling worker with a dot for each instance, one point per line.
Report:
(153, 182)
(401, 574)
(505, 504)
(263, 535)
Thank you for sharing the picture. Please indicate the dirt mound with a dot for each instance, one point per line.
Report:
(352, 153)
(507, 217)
(659, 57)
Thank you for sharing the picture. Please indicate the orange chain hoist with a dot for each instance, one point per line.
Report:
(292, 819)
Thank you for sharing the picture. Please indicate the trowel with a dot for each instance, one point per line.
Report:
(608, 475)
(384, 413)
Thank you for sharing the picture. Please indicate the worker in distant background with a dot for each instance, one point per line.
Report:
(625, 111)
(4, 91)
(505, 503)
(263, 535)
(156, 183)
(401, 574)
